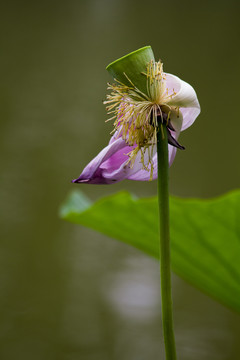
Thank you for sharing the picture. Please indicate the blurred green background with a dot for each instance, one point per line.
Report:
(66, 292)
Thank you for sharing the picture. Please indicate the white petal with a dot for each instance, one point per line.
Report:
(185, 94)
(185, 98)
(176, 119)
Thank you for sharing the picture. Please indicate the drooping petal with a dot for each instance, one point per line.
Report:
(112, 164)
(93, 173)
(185, 98)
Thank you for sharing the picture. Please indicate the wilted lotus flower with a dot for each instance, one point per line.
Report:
(142, 99)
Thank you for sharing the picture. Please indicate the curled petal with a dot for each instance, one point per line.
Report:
(185, 99)
(185, 94)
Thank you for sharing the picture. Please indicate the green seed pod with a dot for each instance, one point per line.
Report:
(131, 69)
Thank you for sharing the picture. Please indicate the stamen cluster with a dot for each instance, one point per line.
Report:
(138, 116)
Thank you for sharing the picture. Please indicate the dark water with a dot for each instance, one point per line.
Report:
(67, 292)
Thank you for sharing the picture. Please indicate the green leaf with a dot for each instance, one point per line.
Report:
(205, 235)
(132, 67)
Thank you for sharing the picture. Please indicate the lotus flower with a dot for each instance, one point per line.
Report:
(132, 150)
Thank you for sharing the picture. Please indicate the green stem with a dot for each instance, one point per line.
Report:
(165, 262)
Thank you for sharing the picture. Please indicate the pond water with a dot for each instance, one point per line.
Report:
(66, 292)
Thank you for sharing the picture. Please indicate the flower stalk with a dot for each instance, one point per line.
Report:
(165, 258)
(150, 109)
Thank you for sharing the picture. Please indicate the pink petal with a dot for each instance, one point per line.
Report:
(111, 164)
(93, 173)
